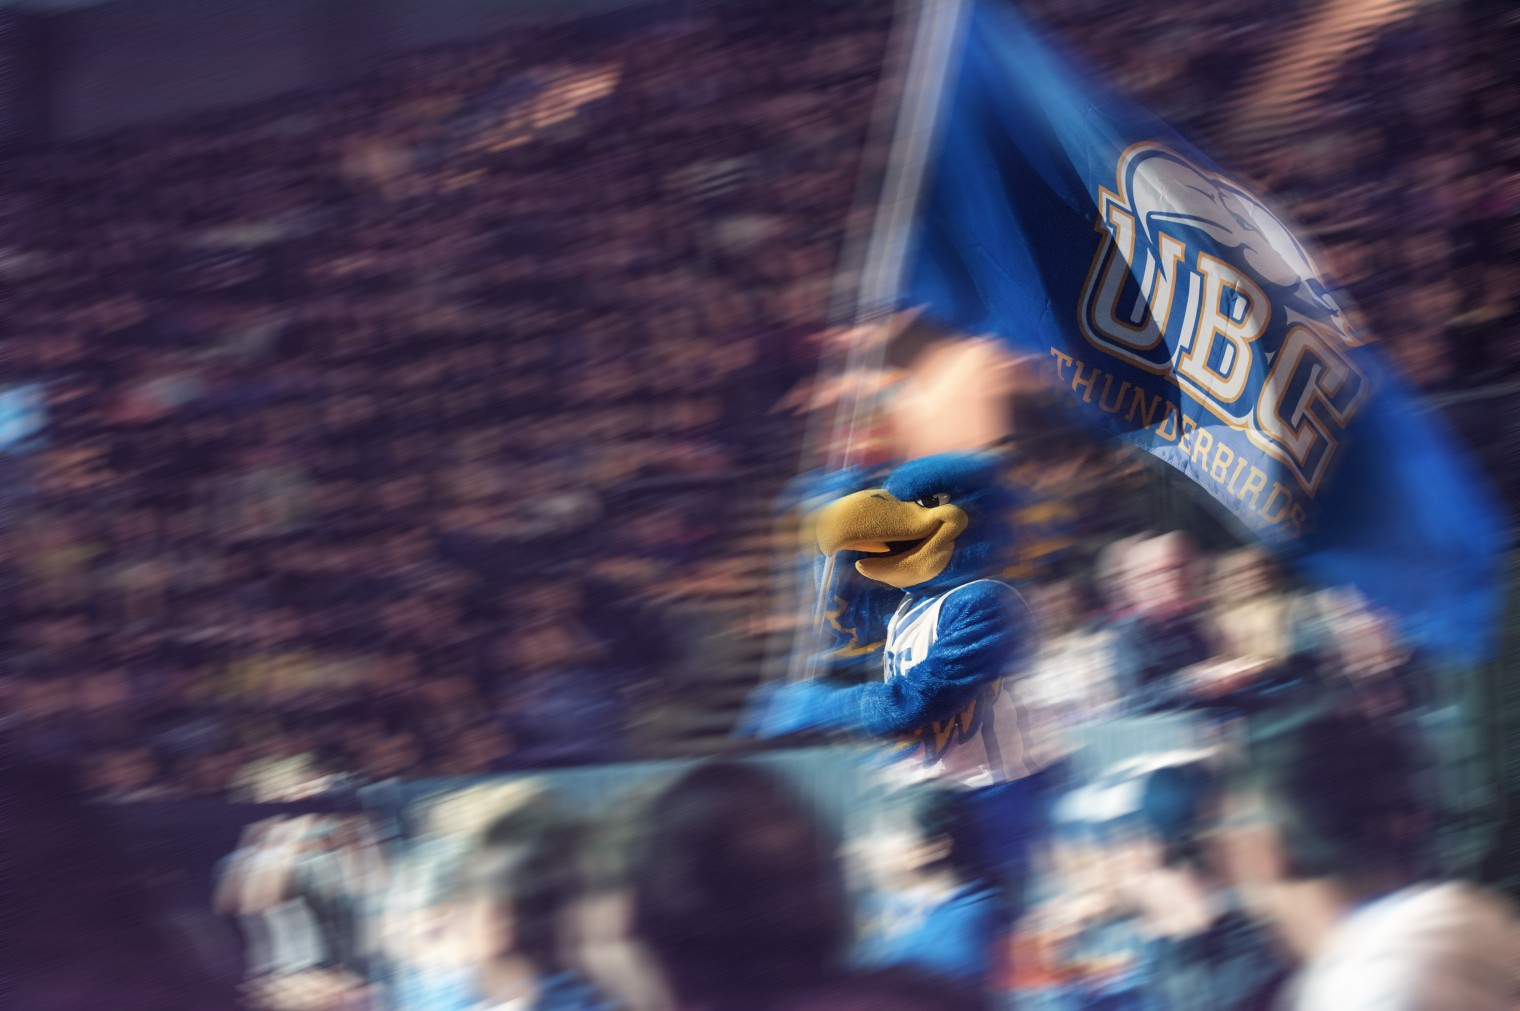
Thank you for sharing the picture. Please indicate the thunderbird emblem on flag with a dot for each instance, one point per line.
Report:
(1197, 281)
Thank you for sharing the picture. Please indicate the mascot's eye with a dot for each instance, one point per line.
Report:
(930, 501)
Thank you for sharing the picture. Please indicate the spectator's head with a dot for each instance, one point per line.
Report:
(1063, 604)
(1114, 571)
(1325, 813)
(738, 893)
(1243, 574)
(1175, 804)
(1161, 577)
(941, 841)
(1139, 828)
(522, 881)
(1366, 640)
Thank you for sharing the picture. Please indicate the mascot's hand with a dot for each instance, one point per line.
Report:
(776, 710)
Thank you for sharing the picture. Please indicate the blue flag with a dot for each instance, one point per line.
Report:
(1185, 315)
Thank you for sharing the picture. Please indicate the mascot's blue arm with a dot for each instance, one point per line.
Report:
(981, 636)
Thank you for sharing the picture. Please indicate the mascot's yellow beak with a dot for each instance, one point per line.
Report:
(911, 543)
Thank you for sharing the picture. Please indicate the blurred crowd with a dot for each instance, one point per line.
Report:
(387, 428)
(1290, 871)
(1153, 625)
(429, 427)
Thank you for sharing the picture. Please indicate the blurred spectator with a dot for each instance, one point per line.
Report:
(739, 896)
(947, 916)
(93, 931)
(522, 884)
(1163, 633)
(1325, 835)
(1203, 953)
(1255, 624)
(1368, 666)
(428, 944)
(1113, 579)
(1252, 618)
(1073, 670)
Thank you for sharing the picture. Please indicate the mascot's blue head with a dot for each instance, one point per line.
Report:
(935, 523)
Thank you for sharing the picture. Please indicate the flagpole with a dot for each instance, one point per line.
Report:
(936, 38)
(793, 592)
(936, 42)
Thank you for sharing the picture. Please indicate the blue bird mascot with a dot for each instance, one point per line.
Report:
(916, 561)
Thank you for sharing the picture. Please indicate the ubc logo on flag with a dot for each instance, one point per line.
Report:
(1197, 283)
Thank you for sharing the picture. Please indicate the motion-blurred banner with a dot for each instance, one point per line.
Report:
(1187, 317)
